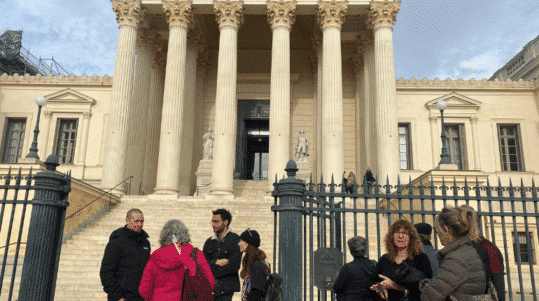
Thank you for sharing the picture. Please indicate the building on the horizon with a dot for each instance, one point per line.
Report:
(257, 74)
(524, 65)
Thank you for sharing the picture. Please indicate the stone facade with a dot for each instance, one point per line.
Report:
(183, 67)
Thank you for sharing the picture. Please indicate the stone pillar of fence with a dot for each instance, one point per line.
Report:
(40, 267)
(290, 192)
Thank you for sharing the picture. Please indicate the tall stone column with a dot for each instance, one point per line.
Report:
(366, 53)
(382, 16)
(129, 15)
(155, 107)
(331, 15)
(229, 16)
(317, 64)
(281, 16)
(84, 140)
(361, 142)
(194, 46)
(434, 137)
(476, 146)
(138, 112)
(179, 17)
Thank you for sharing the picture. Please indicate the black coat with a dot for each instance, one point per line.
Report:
(126, 256)
(227, 280)
(355, 279)
(387, 268)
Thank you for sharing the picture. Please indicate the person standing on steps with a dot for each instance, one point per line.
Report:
(223, 255)
(126, 256)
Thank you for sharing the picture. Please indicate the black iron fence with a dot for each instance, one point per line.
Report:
(314, 220)
(34, 263)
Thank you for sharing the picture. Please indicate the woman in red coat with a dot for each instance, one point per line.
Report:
(164, 273)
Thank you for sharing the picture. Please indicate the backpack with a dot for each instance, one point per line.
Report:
(196, 288)
(274, 291)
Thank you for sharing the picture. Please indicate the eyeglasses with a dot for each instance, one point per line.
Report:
(401, 233)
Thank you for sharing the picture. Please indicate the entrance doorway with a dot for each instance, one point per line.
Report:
(252, 145)
(256, 155)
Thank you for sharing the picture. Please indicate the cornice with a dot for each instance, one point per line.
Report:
(50, 79)
(461, 84)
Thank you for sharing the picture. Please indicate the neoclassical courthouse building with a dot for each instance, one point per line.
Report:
(253, 75)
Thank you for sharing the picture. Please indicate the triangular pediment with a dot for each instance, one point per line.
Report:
(69, 96)
(455, 101)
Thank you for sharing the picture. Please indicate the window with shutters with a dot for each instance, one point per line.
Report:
(14, 139)
(66, 138)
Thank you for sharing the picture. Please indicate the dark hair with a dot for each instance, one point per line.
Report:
(461, 220)
(225, 215)
(252, 255)
(131, 211)
(358, 246)
(415, 247)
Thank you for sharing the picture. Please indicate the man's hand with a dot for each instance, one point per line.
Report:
(123, 299)
(221, 262)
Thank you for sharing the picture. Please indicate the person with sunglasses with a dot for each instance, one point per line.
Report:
(254, 268)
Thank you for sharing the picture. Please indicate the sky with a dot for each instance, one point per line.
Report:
(431, 38)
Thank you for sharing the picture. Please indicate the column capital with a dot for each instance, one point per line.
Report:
(331, 13)
(228, 13)
(383, 13)
(281, 13)
(179, 12)
(128, 12)
(365, 39)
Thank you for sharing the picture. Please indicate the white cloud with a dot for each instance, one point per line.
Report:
(489, 60)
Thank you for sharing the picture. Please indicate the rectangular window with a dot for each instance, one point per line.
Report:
(65, 144)
(527, 252)
(13, 139)
(510, 150)
(455, 144)
(405, 150)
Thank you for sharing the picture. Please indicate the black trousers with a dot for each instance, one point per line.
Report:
(224, 297)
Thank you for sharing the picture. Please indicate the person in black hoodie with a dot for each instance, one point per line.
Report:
(356, 277)
(126, 256)
(223, 255)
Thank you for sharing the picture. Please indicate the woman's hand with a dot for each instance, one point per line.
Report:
(387, 283)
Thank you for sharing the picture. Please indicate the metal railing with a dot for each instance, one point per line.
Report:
(326, 216)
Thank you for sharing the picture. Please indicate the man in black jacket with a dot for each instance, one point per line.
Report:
(126, 256)
(223, 254)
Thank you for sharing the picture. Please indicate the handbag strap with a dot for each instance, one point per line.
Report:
(485, 259)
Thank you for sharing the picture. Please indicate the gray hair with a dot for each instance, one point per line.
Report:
(358, 246)
(174, 227)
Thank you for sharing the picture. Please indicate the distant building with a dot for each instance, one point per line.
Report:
(524, 65)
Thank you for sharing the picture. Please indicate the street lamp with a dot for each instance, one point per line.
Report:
(445, 158)
(40, 101)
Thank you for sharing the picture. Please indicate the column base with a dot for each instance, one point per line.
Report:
(446, 167)
(220, 196)
(304, 171)
(163, 196)
(165, 191)
(203, 174)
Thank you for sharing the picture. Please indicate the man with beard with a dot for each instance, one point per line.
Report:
(126, 256)
(224, 256)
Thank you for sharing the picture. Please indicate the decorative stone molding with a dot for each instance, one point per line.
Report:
(54, 80)
(460, 83)
(128, 12)
(365, 39)
(86, 115)
(281, 13)
(47, 114)
(179, 12)
(383, 14)
(433, 119)
(474, 119)
(332, 13)
(228, 13)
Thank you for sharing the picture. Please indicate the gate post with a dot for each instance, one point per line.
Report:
(290, 192)
(40, 267)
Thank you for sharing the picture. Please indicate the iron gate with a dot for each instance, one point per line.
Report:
(313, 216)
(37, 265)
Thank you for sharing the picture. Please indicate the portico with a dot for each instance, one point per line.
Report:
(185, 66)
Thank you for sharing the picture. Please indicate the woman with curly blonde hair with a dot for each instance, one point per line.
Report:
(404, 265)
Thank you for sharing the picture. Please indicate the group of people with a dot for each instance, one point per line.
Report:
(129, 272)
(412, 270)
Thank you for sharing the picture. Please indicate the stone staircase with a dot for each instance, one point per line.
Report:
(78, 275)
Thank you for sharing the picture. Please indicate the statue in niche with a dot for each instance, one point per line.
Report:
(208, 145)
(302, 147)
